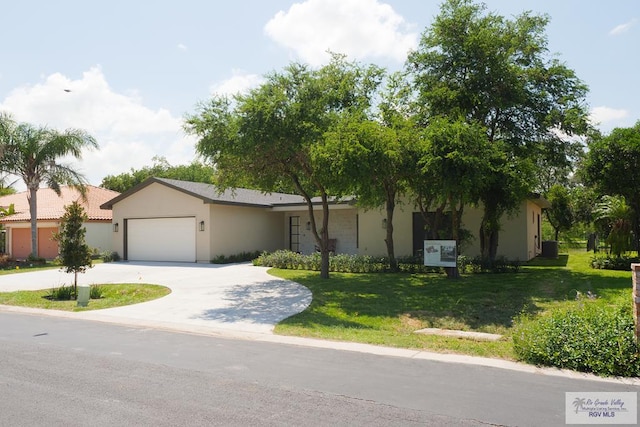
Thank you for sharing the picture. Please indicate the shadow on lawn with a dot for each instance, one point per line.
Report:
(481, 301)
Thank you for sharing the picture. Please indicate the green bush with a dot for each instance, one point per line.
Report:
(231, 259)
(5, 261)
(35, 260)
(95, 292)
(478, 265)
(63, 293)
(109, 256)
(611, 262)
(344, 263)
(590, 338)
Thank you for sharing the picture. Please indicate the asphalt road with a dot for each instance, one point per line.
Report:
(58, 371)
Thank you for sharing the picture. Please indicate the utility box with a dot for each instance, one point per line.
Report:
(84, 292)
(549, 249)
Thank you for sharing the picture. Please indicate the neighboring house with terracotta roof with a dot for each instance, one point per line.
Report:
(51, 208)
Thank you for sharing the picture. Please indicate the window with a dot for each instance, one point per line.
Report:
(294, 233)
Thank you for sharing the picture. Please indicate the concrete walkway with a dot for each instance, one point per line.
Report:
(235, 297)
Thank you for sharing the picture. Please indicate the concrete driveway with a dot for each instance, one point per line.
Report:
(235, 297)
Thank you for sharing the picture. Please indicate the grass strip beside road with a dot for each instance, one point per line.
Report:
(113, 295)
(386, 309)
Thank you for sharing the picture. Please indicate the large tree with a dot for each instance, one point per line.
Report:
(33, 153)
(497, 72)
(272, 137)
(612, 166)
(371, 153)
(452, 161)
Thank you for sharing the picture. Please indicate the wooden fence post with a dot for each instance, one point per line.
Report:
(635, 294)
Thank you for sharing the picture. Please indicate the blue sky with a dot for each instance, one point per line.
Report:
(135, 68)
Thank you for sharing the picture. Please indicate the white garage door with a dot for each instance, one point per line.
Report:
(161, 239)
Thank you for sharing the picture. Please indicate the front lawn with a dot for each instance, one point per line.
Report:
(386, 309)
(113, 295)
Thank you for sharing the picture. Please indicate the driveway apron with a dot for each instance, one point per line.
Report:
(235, 297)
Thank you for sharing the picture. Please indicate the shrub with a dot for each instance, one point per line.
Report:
(63, 293)
(95, 253)
(36, 260)
(610, 262)
(478, 265)
(95, 292)
(109, 256)
(590, 338)
(231, 259)
(5, 261)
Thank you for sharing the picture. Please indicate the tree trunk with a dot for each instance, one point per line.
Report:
(33, 211)
(324, 239)
(454, 272)
(489, 228)
(391, 204)
(75, 284)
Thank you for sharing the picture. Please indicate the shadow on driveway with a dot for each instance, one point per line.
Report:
(266, 302)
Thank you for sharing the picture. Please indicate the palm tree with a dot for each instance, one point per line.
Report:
(616, 214)
(32, 153)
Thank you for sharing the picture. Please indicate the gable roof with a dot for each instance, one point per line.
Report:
(209, 193)
(51, 206)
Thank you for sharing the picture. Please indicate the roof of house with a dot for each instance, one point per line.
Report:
(209, 193)
(52, 207)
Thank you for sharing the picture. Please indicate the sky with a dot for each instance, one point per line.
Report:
(128, 72)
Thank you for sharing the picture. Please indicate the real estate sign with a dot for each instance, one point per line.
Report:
(440, 253)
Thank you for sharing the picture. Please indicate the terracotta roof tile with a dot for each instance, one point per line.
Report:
(51, 206)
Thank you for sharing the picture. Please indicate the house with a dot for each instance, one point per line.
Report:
(170, 220)
(51, 208)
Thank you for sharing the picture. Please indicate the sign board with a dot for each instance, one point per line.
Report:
(440, 253)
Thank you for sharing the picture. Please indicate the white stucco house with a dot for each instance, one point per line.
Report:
(170, 220)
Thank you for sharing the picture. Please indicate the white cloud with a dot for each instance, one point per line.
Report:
(606, 115)
(239, 82)
(129, 133)
(182, 46)
(623, 28)
(357, 28)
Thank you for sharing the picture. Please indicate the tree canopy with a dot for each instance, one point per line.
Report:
(274, 137)
(612, 164)
(497, 72)
(195, 172)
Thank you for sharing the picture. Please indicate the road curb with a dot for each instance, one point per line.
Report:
(323, 344)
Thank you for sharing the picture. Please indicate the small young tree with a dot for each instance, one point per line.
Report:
(560, 215)
(74, 252)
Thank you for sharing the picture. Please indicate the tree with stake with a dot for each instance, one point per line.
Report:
(74, 252)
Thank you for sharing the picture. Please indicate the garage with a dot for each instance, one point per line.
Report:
(161, 239)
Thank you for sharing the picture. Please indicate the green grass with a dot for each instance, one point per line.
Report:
(385, 309)
(26, 267)
(113, 295)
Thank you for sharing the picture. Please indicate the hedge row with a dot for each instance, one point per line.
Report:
(285, 259)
